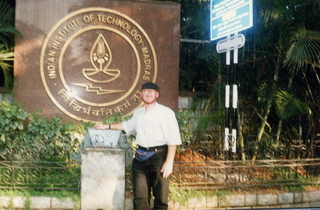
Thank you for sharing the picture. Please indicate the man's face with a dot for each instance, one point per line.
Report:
(149, 96)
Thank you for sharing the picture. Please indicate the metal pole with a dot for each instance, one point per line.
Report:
(227, 45)
(227, 102)
(235, 100)
(234, 106)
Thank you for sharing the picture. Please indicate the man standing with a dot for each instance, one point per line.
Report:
(157, 136)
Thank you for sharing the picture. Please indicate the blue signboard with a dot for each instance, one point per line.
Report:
(230, 16)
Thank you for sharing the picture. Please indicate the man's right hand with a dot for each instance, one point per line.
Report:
(101, 126)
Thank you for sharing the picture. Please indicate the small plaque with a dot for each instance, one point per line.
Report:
(101, 138)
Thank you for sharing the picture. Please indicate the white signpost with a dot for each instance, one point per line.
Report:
(229, 17)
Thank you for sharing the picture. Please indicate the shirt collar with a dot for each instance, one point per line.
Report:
(144, 107)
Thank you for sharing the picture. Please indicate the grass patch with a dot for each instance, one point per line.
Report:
(182, 196)
(60, 194)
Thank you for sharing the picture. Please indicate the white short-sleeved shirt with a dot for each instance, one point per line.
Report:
(156, 127)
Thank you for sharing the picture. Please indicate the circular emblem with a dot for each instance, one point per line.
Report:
(93, 63)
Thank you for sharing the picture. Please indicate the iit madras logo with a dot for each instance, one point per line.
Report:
(93, 63)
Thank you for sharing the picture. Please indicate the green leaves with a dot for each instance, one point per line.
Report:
(288, 106)
(185, 119)
(7, 29)
(29, 136)
(304, 48)
(7, 32)
(11, 117)
(116, 118)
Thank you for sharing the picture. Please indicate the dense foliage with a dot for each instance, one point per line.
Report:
(31, 136)
(25, 136)
(277, 74)
(7, 32)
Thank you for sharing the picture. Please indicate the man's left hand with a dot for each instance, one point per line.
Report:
(166, 169)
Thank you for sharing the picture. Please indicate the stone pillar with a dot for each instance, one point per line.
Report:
(103, 179)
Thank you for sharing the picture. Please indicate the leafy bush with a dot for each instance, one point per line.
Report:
(27, 136)
(12, 117)
(115, 118)
(184, 119)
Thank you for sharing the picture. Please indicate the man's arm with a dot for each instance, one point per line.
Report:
(114, 126)
(167, 166)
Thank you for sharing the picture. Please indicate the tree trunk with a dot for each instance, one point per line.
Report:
(261, 131)
(278, 132)
(267, 110)
(240, 136)
(290, 82)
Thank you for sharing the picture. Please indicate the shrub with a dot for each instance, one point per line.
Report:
(27, 136)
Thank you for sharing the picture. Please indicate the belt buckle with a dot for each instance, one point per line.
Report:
(154, 149)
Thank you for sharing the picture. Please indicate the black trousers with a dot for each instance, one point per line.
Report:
(146, 178)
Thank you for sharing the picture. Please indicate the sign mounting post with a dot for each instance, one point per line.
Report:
(229, 17)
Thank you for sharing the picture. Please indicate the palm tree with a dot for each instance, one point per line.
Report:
(6, 57)
(292, 45)
(7, 32)
(194, 71)
(280, 52)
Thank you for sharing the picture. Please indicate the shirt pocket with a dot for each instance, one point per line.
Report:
(157, 134)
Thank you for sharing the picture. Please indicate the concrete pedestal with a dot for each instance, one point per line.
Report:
(103, 179)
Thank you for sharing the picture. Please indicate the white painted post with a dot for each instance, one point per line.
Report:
(226, 45)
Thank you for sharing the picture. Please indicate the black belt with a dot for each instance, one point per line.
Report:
(157, 148)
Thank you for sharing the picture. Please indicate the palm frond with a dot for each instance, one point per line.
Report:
(7, 29)
(6, 55)
(264, 93)
(216, 117)
(288, 106)
(305, 48)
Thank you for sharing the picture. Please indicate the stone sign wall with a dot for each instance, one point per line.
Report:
(87, 59)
